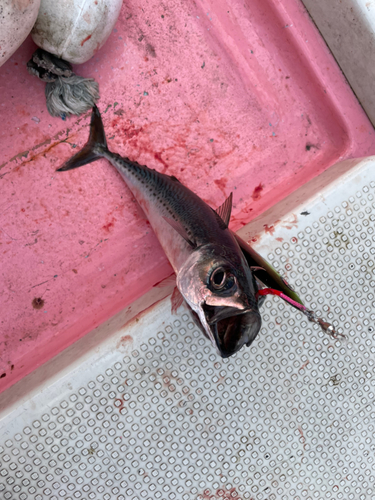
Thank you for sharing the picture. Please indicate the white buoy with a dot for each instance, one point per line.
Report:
(74, 30)
(70, 32)
(17, 17)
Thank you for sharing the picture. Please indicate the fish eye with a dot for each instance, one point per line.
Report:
(221, 279)
(218, 278)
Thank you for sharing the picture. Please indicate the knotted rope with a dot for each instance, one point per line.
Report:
(66, 93)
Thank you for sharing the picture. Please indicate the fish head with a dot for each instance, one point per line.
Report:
(218, 286)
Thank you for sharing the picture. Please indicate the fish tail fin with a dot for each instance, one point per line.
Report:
(93, 149)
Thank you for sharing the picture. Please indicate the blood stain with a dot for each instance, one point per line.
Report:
(131, 131)
(304, 365)
(107, 227)
(121, 406)
(37, 303)
(291, 224)
(85, 40)
(124, 340)
(221, 184)
(269, 229)
(158, 157)
(257, 192)
(303, 439)
(228, 494)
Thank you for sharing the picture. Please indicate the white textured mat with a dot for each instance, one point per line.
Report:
(161, 416)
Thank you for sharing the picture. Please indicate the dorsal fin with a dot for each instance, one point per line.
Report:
(225, 210)
(180, 229)
(174, 178)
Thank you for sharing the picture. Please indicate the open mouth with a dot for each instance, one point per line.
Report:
(232, 329)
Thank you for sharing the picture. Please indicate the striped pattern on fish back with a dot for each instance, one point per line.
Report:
(174, 200)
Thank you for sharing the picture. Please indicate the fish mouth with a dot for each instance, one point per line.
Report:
(232, 328)
(229, 328)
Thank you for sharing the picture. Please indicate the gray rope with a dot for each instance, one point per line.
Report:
(66, 93)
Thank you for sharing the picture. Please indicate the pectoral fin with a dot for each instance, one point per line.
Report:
(177, 226)
(176, 300)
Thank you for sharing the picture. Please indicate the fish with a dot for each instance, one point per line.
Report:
(212, 272)
(222, 279)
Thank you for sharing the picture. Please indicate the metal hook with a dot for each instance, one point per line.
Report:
(326, 327)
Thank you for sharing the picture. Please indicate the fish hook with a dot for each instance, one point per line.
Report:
(311, 316)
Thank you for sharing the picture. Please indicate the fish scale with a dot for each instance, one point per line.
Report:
(175, 200)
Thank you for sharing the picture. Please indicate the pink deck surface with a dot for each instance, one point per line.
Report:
(225, 95)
